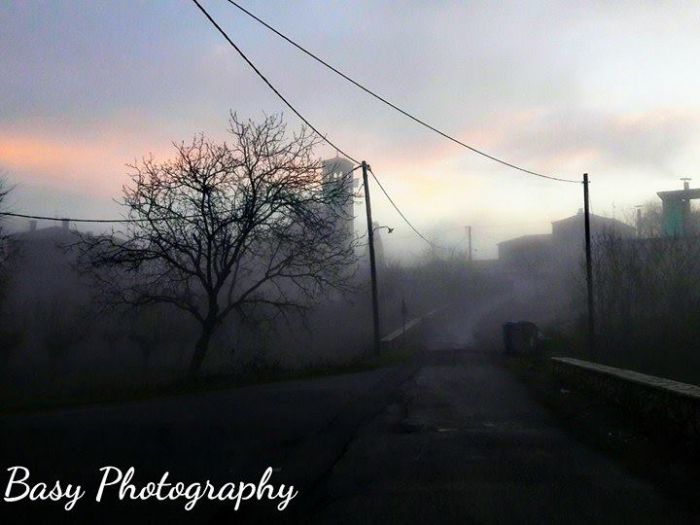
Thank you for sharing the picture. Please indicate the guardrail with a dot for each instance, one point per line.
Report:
(664, 404)
(395, 338)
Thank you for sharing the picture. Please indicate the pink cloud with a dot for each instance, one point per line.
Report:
(92, 163)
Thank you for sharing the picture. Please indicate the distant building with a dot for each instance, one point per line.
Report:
(547, 252)
(570, 232)
(533, 251)
(338, 183)
(543, 269)
(676, 214)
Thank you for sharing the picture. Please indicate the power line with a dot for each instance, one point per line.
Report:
(386, 194)
(46, 218)
(392, 105)
(114, 221)
(269, 84)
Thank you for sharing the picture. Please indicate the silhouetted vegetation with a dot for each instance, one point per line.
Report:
(9, 338)
(249, 229)
(647, 297)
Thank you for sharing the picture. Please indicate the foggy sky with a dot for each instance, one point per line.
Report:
(611, 90)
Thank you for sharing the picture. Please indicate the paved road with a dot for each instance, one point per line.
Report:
(299, 428)
(466, 444)
(457, 327)
(451, 438)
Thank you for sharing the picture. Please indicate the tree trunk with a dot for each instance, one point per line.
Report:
(200, 349)
(209, 326)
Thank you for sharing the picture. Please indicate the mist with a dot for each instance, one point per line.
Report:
(325, 263)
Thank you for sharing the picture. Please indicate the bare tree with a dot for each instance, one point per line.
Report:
(244, 228)
(647, 294)
(651, 223)
(10, 337)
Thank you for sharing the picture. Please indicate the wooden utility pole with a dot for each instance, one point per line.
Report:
(589, 269)
(372, 261)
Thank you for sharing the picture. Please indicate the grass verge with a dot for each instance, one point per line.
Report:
(62, 394)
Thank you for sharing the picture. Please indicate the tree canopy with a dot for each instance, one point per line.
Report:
(243, 227)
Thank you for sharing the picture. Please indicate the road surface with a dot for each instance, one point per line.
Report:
(299, 428)
(466, 444)
(449, 438)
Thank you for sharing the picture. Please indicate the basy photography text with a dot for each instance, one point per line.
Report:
(117, 483)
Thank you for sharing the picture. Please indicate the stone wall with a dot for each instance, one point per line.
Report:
(662, 404)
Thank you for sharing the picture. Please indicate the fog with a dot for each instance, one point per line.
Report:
(349, 262)
(58, 331)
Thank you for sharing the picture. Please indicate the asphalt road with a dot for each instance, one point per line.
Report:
(449, 438)
(467, 444)
(299, 428)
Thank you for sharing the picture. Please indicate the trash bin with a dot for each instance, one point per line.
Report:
(520, 338)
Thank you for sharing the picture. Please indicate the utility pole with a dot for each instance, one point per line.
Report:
(589, 269)
(469, 241)
(372, 262)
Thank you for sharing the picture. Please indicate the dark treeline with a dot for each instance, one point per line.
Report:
(56, 331)
(647, 298)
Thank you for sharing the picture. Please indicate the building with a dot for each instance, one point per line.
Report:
(528, 251)
(676, 213)
(533, 254)
(545, 270)
(569, 234)
(338, 187)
